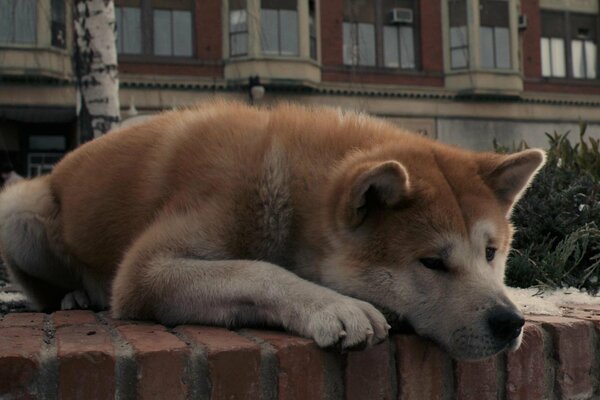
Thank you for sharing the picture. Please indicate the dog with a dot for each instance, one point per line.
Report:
(311, 219)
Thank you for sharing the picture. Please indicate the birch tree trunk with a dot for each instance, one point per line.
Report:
(96, 67)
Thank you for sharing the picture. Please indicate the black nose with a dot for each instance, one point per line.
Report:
(505, 323)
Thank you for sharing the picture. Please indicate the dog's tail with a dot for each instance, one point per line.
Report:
(28, 237)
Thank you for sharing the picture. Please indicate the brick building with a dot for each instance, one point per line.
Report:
(462, 71)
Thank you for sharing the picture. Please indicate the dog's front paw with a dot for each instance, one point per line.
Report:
(76, 300)
(351, 323)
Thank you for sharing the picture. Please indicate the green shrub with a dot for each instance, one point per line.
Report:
(557, 242)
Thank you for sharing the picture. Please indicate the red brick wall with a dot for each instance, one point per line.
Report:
(532, 66)
(332, 17)
(432, 52)
(78, 354)
(209, 30)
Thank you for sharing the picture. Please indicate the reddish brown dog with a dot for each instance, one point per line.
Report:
(298, 217)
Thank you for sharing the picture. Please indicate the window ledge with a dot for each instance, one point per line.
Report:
(33, 47)
(152, 59)
(485, 82)
(268, 69)
(566, 81)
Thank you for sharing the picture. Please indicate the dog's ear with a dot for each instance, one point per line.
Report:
(374, 185)
(509, 176)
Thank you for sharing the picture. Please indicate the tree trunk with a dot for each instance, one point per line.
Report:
(96, 67)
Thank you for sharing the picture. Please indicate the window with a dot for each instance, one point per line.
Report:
(569, 45)
(359, 33)
(459, 37)
(312, 29)
(398, 35)
(172, 33)
(279, 27)
(494, 34)
(129, 28)
(238, 28)
(18, 20)
(583, 45)
(553, 45)
(155, 27)
(57, 25)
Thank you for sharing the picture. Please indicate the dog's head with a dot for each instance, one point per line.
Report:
(425, 232)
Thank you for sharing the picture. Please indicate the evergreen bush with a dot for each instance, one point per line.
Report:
(557, 241)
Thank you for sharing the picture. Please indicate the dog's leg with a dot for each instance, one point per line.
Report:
(162, 278)
(28, 218)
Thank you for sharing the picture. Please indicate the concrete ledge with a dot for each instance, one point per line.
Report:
(82, 355)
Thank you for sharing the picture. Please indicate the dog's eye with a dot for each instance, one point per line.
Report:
(490, 253)
(436, 264)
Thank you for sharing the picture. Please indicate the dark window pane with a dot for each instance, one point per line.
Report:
(58, 10)
(47, 142)
(486, 46)
(279, 4)
(288, 32)
(553, 24)
(359, 11)
(182, 33)
(366, 44)
(269, 20)
(239, 44)
(7, 20)
(591, 57)
(502, 48)
(493, 12)
(407, 48)
(559, 64)
(237, 4)
(162, 33)
(459, 58)
(25, 21)
(349, 43)
(173, 4)
(583, 26)
(130, 30)
(459, 38)
(391, 56)
(457, 12)
(238, 21)
(577, 55)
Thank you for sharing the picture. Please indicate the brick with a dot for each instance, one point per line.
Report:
(368, 373)
(233, 361)
(74, 317)
(421, 368)
(477, 380)
(526, 367)
(161, 360)
(86, 367)
(20, 352)
(574, 348)
(332, 14)
(301, 366)
(432, 53)
(532, 65)
(209, 31)
(31, 320)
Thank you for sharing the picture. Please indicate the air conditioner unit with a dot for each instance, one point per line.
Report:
(522, 22)
(401, 16)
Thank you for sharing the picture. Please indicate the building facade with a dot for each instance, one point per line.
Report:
(462, 71)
